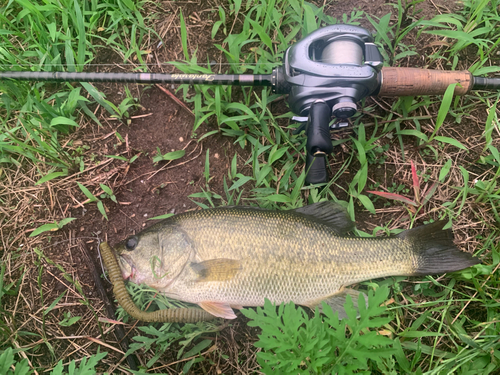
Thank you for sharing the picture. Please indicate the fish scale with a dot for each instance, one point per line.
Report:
(240, 256)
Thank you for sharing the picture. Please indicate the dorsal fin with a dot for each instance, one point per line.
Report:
(329, 213)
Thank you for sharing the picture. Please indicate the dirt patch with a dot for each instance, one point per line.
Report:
(145, 189)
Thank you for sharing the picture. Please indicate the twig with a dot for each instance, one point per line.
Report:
(210, 350)
(175, 99)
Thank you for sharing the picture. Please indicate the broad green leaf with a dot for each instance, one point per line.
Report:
(184, 35)
(82, 39)
(50, 176)
(198, 348)
(444, 108)
(450, 141)
(161, 217)
(279, 198)
(102, 210)
(445, 170)
(276, 153)
(99, 97)
(494, 152)
(414, 132)
(69, 322)
(119, 157)
(262, 34)
(366, 202)
(486, 70)
(309, 19)
(241, 181)
(106, 189)
(44, 228)
(174, 155)
(62, 121)
(87, 193)
(65, 221)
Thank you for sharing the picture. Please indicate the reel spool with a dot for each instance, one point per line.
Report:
(343, 50)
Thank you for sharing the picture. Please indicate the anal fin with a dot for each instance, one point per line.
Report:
(336, 301)
(219, 309)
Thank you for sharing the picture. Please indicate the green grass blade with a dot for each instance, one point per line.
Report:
(444, 108)
(184, 36)
(80, 58)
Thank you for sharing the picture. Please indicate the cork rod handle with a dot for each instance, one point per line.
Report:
(414, 81)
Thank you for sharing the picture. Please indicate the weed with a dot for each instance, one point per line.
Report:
(51, 227)
(108, 193)
(69, 320)
(52, 37)
(421, 196)
(173, 155)
(157, 340)
(475, 25)
(291, 342)
(391, 36)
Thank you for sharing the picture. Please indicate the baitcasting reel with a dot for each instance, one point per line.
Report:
(325, 74)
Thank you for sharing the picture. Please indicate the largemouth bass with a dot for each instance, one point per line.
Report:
(230, 257)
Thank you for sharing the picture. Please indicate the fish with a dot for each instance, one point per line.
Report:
(228, 257)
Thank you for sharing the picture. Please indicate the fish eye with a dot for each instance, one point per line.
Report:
(131, 243)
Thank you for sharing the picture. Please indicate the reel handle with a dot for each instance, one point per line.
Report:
(319, 144)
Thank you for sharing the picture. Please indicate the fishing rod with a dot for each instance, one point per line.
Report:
(324, 74)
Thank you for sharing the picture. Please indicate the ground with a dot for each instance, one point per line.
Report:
(144, 189)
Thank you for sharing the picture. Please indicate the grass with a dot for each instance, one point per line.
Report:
(437, 325)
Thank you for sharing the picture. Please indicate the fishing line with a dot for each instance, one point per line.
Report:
(171, 63)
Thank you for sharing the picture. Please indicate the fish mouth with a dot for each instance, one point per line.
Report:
(127, 268)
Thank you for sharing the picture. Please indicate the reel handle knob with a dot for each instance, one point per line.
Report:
(316, 169)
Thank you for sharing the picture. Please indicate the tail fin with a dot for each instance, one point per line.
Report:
(435, 252)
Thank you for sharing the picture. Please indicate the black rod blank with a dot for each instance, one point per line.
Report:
(148, 78)
(180, 78)
(486, 83)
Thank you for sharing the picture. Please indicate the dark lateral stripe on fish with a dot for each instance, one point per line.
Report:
(435, 252)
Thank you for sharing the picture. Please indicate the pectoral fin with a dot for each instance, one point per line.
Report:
(216, 269)
(221, 310)
(336, 301)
